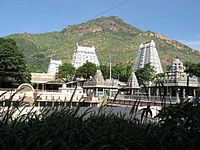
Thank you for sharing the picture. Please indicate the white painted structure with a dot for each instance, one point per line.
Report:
(82, 54)
(132, 81)
(176, 74)
(148, 54)
(53, 67)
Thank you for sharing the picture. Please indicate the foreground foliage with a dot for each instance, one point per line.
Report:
(177, 127)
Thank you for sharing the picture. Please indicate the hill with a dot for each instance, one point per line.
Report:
(110, 36)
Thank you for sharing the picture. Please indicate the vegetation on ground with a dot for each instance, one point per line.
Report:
(175, 127)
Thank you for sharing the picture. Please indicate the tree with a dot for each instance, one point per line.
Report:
(66, 71)
(122, 72)
(105, 71)
(118, 70)
(145, 74)
(192, 68)
(12, 64)
(87, 70)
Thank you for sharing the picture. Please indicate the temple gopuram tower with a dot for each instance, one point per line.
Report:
(82, 54)
(53, 66)
(148, 54)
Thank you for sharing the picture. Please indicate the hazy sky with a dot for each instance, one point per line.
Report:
(177, 19)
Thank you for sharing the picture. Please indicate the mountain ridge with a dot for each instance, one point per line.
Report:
(109, 35)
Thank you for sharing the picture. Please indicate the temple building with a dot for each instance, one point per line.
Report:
(53, 66)
(178, 83)
(177, 76)
(82, 54)
(148, 54)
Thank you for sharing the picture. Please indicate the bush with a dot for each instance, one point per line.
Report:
(177, 127)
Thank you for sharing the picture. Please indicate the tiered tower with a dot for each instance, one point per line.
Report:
(176, 73)
(132, 81)
(148, 54)
(177, 68)
(53, 66)
(82, 54)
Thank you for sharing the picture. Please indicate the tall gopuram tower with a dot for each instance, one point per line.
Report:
(148, 54)
(82, 54)
(53, 66)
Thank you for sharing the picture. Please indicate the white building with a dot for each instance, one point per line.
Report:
(53, 66)
(148, 54)
(177, 74)
(82, 54)
(132, 81)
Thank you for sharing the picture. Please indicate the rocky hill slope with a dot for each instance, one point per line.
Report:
(110, 36)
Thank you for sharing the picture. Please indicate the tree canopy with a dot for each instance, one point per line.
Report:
(12, 64)
(122, 72)
(105, 71)
(193, 68)
(119, 71)
(145, 74)
(87, 70)
(66, 71)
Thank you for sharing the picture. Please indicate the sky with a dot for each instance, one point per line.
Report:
(176, 19)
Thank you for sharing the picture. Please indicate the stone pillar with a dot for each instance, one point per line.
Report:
(157, 94)
(42, 86)
(177, 96)
(37, 86)
(96, 92)
(194, 92)
(35, 93)
(38, 104)
(149, 93)
(183, 93)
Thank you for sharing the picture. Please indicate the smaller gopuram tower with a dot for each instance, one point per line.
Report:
(82, 54)
(53, 66)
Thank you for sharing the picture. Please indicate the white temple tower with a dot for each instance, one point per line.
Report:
(132, 81)
(53, 66)
(148, 54)
(82, 54)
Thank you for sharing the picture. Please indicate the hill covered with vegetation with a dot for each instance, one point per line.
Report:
(110, 36)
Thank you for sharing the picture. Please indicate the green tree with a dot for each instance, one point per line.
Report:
(66, 71)
(12, 64)
(105, 71)
(129, 69)
(192, 68)
(87, 70)
(145, 74)
(118, 70)
(121, 72)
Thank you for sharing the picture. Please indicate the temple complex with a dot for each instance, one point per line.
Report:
(148, 54)
(82, 54)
